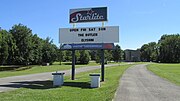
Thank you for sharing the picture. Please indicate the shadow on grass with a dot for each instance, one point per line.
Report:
(83, 85)
(44, 84)
(69, 63)
(30, 84)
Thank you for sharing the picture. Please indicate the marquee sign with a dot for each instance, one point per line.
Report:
(108, 34)
(90, 46)
(88, 15)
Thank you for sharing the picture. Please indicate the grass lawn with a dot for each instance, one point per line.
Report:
(41, 69)
(167, 71)
(77, 90)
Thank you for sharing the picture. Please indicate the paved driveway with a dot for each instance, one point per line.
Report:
(139, 84)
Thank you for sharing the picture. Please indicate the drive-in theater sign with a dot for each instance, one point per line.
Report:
(83, 38)
(88, 15)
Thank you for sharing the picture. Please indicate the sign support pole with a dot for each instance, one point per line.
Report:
(102, 24)
(74, 25)
(73, 65)
(102, 65)
(73, 60)
(102, 61)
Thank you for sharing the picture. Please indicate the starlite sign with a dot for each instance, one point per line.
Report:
(108, 34)
(88, 15)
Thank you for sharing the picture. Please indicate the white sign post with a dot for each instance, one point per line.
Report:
(108, 34)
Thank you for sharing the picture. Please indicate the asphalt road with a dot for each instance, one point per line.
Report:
(15, 82)
(139, 84)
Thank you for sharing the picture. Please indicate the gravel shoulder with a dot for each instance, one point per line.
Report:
(139, 84)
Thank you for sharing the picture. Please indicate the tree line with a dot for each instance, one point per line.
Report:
(20, 46)
(84, 56)
(167, 50)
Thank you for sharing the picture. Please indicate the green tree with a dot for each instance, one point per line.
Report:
(117, 54)
(84, 57)
(60, 55)
(20, 46)
(98, 56)
(92, 54)
(169, 48)
(108, 55)
(149, 52)
(22, 36)
(37, 44)
(68, 55)
(49, 53)
(3, 46)
(77, 56)
(145, 56)
(11, 49)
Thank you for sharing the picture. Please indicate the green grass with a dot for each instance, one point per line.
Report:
(77, 90)
(170, 72)
(41, 69)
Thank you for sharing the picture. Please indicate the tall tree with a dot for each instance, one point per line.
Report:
(149, 52)
(169, 48)
(84, 57)
(19, 46)
(117, 54)
(11, 49)
(60, 55)
(68, 55)
(49, 53)
(3, 46)
(93, 54)
(22, 36)
(108, 55)
(98, 56)
(37, 44)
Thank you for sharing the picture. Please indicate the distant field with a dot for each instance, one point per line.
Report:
(6, 68)
(41, 69)
(77, 90)
(167, 71)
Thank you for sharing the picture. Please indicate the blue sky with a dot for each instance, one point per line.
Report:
(140, 21)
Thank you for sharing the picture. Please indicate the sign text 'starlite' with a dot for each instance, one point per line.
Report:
(88, 15)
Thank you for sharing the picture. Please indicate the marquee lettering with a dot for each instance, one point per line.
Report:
(86, 17)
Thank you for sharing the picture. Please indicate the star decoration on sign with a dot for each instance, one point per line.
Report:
(90, 12)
